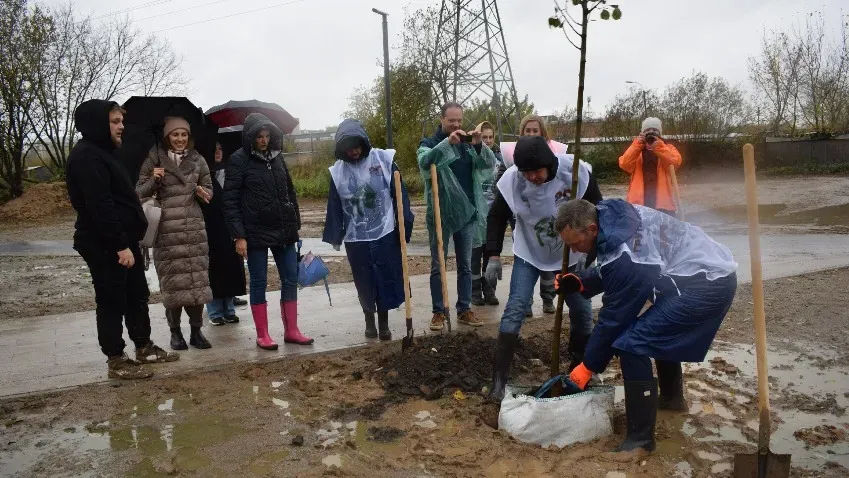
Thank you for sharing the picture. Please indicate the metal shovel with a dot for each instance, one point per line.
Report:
(407, 341)
(764, 463)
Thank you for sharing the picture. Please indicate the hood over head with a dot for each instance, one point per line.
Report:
(256, 122)
(91, 118)
(350, 135)
(533, 153)
(618, 221)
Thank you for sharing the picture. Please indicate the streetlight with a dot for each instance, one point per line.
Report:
(643, 88)
(386, 77)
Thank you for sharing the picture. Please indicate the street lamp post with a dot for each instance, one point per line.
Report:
(643, 88)
(386, 77)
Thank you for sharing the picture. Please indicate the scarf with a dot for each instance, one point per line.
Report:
(177, 156)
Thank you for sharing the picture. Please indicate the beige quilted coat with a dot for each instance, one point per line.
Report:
(180, 253)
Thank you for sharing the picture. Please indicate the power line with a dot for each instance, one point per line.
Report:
(137, 7)
(229, 16)
(182, 10)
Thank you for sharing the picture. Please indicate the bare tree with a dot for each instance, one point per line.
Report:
(824, 74)
(82, 60)
(23, 35)
(775, 76)
(700, 107)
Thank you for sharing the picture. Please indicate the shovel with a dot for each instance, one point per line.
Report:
(764, 463)
(437, 222)
(407, 341)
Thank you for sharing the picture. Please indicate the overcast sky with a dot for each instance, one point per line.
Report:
(309, 55)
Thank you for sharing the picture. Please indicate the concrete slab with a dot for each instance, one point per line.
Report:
(51, 352)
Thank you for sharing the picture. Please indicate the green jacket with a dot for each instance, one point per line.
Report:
(455, 208)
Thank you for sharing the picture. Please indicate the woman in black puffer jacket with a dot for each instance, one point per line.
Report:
(261, 210)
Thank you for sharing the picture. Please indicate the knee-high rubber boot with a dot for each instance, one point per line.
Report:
(383, 325)
(477, 292)
(670, 380)
(640, 418)
(260, 314)
(503, 359)
(577, 347)
(291, 334)
(371, 329)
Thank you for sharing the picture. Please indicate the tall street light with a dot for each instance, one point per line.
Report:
(386, 77)
(643, 88)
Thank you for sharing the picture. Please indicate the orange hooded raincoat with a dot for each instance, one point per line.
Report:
(632, 163)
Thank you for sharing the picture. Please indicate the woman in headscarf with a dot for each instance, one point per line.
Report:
(178, 176)
(361, 212)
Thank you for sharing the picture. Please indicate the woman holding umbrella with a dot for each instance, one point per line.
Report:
(178, 176)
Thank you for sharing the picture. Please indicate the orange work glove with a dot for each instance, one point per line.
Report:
(567, 284)
(581, 375)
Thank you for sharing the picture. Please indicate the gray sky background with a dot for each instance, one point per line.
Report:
(309, 56)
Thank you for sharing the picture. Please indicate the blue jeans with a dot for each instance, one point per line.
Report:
(522, 282)
(217, 308)
(463, 252)
(286, 259)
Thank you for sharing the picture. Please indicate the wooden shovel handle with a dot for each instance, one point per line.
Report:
(437, 222)
(402, 232)
(758, 297)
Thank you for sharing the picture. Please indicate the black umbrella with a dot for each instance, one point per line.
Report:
(143, 124)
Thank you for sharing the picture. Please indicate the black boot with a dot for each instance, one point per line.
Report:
(371, 330)
(383, 325)
(477, 292)
(577, 346)
(670, 379)
(177, 340)
(640, 418)
(503, 359)
(488, 293)
(197, 340)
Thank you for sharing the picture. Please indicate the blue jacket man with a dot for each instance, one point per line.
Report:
(645, 255)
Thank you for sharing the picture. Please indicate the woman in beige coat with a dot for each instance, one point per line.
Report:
(179, 178)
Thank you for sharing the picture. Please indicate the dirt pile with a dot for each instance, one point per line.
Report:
(445, 363)
(39, 202)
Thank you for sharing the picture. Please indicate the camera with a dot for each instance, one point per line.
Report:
(650, 138)
(466, 138)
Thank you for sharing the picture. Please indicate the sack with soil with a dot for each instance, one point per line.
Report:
(560, 421)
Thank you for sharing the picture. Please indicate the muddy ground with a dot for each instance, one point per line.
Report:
(376, 411)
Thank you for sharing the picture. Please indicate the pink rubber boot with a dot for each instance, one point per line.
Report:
(263, 340)
(291, 333)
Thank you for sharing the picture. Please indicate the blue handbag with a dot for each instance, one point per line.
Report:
(311, 270)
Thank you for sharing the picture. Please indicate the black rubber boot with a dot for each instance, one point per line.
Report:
(577, 347)
(371, 330)
(503, 359)
(488, 293)
(383, 325)
(197, 340)
(177, 340)
(477, 292)
(670, 380)
(640, 418)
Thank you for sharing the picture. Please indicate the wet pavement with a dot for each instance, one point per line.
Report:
(51, 352)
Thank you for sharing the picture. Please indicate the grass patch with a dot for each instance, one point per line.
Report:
(312, 181)
(803, 169)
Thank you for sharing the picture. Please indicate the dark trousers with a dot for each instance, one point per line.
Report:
(120, 294)
(195, 313)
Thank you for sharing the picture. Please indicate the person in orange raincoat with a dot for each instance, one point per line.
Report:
(647, 160)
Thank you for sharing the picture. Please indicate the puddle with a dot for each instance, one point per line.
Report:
(683, 469)
(615, 474)
(331, 461)
(76, 440)
(264, 464)
(773, 214)
(282, 404)
(726, 404)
